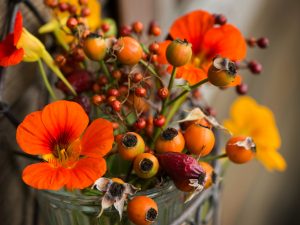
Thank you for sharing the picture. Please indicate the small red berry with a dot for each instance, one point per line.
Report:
(125, 30)
(60, 60)
(110, 99)
(140, 92)
(85, 12)
(163, 93)
(263, 42)
(97, 99)
(96, 88)
(83, 2)
(116, 105)
(72, 22)
(220, 19)
(63, 6)
(255, 67)
(51, 3)
(153, 58)
(137, 27)
(159, 120)
(154, 48)
(140, 123)
(154, 29)
(242, 89)
(115, 125)
(102, 80)
(72, 9)
(105, 27)
(251, 42)
(113, 92)
(137, 77)
(117, 74)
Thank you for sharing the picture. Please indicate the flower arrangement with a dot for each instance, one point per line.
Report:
(119, 127)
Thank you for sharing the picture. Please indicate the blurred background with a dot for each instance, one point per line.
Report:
(251, 195)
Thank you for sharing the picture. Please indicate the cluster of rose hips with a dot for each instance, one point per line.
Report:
(122, 87)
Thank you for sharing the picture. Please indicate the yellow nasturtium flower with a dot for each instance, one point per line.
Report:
(248, 118)
(58, 27)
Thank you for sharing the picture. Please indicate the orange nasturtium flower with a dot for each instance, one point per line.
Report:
(208, 40)
(72, 154)
(247, 118)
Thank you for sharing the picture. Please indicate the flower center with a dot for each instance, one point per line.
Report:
(116, 189)
(198, 60)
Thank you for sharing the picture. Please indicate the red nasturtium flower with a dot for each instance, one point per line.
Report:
(10, 54)
(73, 156)
(208, 40)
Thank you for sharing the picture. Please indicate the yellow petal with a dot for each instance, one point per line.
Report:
(271, 159)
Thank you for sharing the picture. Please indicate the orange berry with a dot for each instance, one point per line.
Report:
(145, 165)
(131, 145)
(137, 27)
(179, 52)
(199, 140)
(170, 140)
(72, 22)
(130, 51)
(94, 47)
(240, 149)
(222, 72)
(142, 210)
(209, 174)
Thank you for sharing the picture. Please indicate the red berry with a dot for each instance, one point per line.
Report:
(72, 9)
(137, 27)
(83, 2)
(60, 60)
(242, 89)
(85, 12)
(113, 92)
(251, 42)
(116, 105)
(97, 99)
(154, 29)
(220, 19)
(63, 6)
(154, 48)
(51, 3)
(102, 80)
(117, 74)
(159, 120)
(163, 93)
(72, 22)
(255, 67)
(125, 30)
(140, 92)
(263, 42)
(105, 27)
(140, 123)
(137, 77)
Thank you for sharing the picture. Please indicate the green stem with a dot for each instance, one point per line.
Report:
(46, 81)
(105, 70)
(170, 86)
(186, 91)
(150, 68)
(211, 158)
(173, 110)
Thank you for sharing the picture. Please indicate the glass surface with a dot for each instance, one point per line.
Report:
(67, 208)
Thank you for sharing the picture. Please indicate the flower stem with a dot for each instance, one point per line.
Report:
(186, 91)
(170, 86)
(211, 158)
(150, 68)
(46, 81)
(105, 70)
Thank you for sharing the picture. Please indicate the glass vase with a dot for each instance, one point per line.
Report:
(67, 208)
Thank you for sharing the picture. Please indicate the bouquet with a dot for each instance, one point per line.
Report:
(127, 112)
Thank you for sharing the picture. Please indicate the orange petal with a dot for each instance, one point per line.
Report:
(190, 73)
(226, 41)
(18, 27)
(98, 138)
(65, 121)
(32, 135)
(86, 172)
(193, 27)
(162, 59)
(43, 176)
(9, 54)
